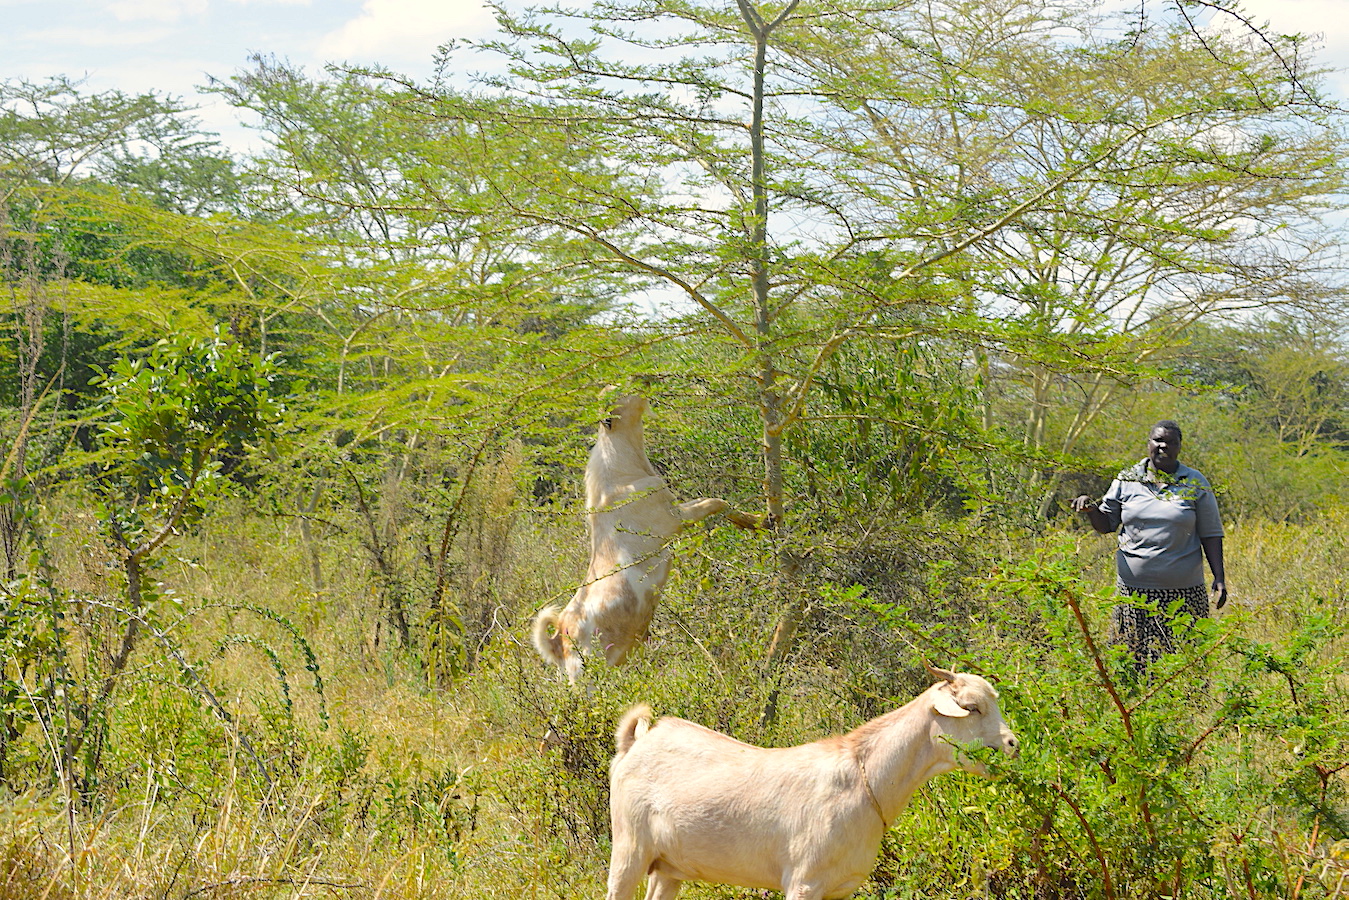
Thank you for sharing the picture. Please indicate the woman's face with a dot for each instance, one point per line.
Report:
(1164, 450)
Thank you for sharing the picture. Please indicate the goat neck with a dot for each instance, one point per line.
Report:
(619, 455)
(898, 755)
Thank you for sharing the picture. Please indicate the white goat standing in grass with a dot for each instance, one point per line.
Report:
(691, 804)
(632, 515)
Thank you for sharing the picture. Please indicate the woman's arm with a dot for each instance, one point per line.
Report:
(1213, 552)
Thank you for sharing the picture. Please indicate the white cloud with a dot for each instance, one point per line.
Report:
(98, 37)
(1324, 17)
(405, 29)
(1322, 21)
(156, 10)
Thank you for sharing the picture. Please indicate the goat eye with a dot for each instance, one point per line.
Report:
(973, 708)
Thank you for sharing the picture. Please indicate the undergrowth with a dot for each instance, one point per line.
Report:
(1220, 773)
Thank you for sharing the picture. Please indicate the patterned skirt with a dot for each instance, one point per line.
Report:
(1145, 627)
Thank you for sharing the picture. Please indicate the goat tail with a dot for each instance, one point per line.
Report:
(547, 640)
(635, 723)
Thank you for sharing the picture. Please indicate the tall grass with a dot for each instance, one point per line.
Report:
(494, 785)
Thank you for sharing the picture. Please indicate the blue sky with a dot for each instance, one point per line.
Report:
(171, 46)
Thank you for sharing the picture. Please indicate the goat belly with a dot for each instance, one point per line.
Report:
(720, 836)
(728, 862)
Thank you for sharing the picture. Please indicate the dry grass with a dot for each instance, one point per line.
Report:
(420, 791)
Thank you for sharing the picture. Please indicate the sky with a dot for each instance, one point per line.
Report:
(173, 46)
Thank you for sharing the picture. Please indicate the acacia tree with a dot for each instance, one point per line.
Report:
(1212, 213)
(1147, 178)
(822, 173)
(61, 148)
(54, 137)
(106, 245)
(435, 340)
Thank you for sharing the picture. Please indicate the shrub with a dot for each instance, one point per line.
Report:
(1216, 773)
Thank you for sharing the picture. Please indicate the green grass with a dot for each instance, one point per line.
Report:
(493, 784)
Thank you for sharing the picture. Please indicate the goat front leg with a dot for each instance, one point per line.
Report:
(626, 868)
(696, 510)
(660, 886)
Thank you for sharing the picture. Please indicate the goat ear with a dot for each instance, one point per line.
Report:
(943, 674)
(946, 705)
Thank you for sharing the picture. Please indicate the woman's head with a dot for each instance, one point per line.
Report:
(1164, 446)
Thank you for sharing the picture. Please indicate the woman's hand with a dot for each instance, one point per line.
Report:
(1092, 508)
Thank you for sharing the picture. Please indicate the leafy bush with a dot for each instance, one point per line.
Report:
(1218, 773)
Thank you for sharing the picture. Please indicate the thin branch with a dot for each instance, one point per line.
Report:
(1107, 885)
(1099, 661)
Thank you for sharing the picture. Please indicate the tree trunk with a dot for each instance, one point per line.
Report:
(307, 537)
(770, 398)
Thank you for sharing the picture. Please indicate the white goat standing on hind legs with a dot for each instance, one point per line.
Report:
(691, 804)
(632, 516)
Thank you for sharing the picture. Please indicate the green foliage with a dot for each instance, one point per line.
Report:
(179, 418)
(309, 658)
(893, 431)
(33, 646)
(176, 418)
(941, 264)
(1203, 777)
(1269, 413)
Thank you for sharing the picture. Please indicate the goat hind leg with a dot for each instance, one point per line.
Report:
(572, 665)
(803, 891)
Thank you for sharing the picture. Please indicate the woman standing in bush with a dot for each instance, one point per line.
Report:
(1168, 523)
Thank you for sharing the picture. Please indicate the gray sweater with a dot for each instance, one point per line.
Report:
(1161, 519)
